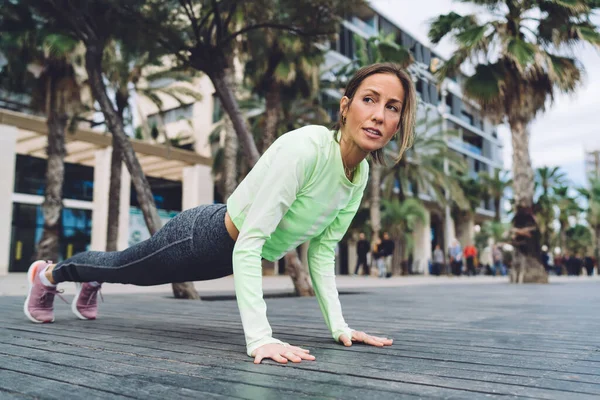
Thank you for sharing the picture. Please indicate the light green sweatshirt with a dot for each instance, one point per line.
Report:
(296, 192)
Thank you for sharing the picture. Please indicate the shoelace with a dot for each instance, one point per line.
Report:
(54, 291)
(98, 290)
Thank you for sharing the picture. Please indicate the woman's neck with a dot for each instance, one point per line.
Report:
(351, 154)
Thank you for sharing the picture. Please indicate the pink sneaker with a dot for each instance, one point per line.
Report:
(85, 303)
(39, 303)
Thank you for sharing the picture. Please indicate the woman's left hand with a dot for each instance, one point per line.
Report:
(361, 337)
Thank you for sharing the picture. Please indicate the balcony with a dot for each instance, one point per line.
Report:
(466, 146)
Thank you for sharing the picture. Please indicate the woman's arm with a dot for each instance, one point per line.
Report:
(280, 176)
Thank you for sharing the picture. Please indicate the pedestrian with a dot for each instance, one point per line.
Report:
(498, 261)
(306, 187)
(470, 253)
(379, 257)
(456, 254)
(388, 253)
(486, 259)
(362, 250)
(438, 260)
(588, 263)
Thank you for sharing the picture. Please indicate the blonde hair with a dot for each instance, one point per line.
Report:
(409, 106)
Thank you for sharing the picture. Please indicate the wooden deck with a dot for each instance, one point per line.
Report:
(451, 341)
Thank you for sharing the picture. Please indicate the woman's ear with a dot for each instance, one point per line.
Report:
(344, 102)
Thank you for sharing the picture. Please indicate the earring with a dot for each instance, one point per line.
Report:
(343, 120)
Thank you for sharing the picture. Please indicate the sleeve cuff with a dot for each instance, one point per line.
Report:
(340, 332)
(266, 340)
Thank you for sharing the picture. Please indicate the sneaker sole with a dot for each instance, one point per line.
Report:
(33, 269)
(74, 303)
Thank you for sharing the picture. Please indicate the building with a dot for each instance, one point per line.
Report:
(478, 141)
(592, 163)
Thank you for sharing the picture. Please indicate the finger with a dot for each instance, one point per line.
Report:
(345, 341)
(279, 358)
(306, 356)
(371, 341)
(383, 340)
(292, 357)
(258, 359)
(296, 349)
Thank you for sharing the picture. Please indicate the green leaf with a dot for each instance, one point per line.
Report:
(473, 37)
(442, 26)
(521, 52)
(485, 85)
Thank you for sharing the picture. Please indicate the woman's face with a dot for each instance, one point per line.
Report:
(374, 113)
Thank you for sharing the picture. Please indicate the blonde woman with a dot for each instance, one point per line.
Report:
(306, 187)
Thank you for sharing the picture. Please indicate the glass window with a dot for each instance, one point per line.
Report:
(167, 194)
(30, 178)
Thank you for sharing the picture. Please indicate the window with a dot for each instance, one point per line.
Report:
(468, 118)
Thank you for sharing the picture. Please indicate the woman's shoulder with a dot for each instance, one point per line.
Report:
(309, 134)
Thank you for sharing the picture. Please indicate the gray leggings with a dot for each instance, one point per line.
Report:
(193, 246)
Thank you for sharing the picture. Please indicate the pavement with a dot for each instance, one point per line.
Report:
(15, 284)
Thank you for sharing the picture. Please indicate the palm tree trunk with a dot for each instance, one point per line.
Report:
(273, 106)
(375, 209)
(497, 209)
(526, 266)
(93, 58)
(299, 274)
(230, 159)
(226, 95)
(48, 246)
(114, 197)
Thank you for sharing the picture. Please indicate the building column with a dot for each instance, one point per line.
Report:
(8, 155)
(198, 186)
(100, 203)
(422, 249)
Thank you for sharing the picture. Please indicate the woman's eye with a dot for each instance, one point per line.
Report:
(367, 100)
(393, 108)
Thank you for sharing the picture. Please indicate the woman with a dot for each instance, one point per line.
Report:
(306, 187)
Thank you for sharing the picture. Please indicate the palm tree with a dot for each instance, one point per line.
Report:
(55, 92)
(280, 68)
(421, 170)
(473, 192)
(494, 186)
(95, 27)
(375, 49)
(592, 197)
(125, 65)
(401, 219)
(546, 178)
(519, 64)
(568, 208)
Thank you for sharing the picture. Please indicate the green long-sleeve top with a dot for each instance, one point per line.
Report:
(296, 192)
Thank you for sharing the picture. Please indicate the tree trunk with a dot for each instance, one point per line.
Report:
(376, 171)
(48, 246)
(497, 207)
(526, 267)
(230, 154)
(114, 197)
(273, 106)
(93, 61)
(299, 275)
(226, 94)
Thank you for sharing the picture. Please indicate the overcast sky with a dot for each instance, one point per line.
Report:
(559, 136)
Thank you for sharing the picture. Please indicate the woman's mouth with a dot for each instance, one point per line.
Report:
(372, 133)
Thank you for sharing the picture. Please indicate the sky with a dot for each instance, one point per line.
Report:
(560, 136)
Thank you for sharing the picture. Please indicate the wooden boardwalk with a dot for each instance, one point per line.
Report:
(451, 341)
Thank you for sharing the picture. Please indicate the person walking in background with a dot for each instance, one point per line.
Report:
(362, 250)
(378, 257)
(498, 261)
(588, 263)
(456, 253)
(438, 260)
(545, 258)
(486, 261)
(388, 252)
(470, 254)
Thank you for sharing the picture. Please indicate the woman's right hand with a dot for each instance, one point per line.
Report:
(281, 353)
